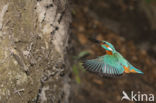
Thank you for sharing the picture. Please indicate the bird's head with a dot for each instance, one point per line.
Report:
(107, 46)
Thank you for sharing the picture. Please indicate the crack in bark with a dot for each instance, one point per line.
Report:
(42, 81)
(20, 61)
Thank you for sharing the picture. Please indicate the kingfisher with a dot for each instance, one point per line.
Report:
(111, 64)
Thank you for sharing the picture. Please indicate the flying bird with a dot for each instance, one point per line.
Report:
(110, 65)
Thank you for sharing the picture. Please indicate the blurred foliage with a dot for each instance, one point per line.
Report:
(77, 67)
(149, 1)
(81, 55)
(76, 73)
(73, 12)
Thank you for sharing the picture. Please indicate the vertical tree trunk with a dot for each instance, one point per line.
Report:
(33, 39)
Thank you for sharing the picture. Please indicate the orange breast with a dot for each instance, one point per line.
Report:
(109, 52)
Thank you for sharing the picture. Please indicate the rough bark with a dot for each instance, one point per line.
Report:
(33, 39)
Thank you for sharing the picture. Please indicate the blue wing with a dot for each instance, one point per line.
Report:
(104, 68)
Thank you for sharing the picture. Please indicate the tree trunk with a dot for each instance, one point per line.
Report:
(33, 40)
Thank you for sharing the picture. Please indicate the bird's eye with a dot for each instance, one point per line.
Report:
(103, 42)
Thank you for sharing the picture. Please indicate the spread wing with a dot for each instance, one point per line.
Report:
(103, 67)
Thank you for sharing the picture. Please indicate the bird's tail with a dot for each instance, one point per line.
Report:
(138, 71)
(135, 70)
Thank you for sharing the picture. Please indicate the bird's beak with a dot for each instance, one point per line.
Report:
(98, 41)
(95, 41)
